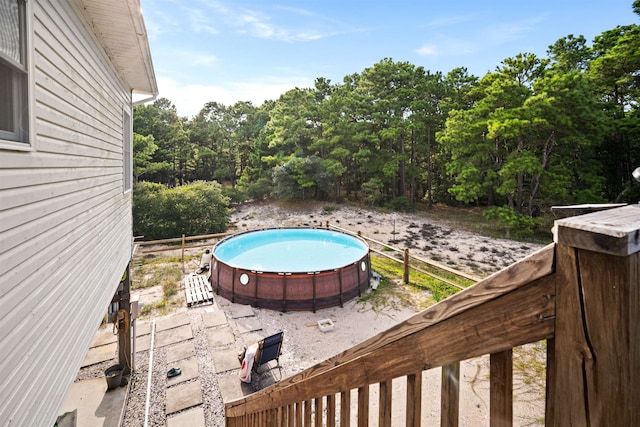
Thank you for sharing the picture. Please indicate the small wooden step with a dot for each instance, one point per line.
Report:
(197, 290)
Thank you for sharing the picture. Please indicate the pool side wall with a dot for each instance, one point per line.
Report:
(291, 291)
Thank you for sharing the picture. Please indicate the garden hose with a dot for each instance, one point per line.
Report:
(122, 331)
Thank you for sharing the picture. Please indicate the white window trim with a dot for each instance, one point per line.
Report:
(29, 144)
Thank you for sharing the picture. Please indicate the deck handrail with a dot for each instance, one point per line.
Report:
(557, 293)
(530, 269)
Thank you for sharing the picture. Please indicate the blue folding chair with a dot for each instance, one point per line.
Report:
(268, 350)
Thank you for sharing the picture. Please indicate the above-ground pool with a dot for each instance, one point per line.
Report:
(290, 268)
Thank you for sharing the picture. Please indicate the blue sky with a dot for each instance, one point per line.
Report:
(253, 50)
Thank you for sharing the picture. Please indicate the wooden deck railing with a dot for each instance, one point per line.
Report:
(581, 294)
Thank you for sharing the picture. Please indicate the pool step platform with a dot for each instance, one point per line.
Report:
(197, 290)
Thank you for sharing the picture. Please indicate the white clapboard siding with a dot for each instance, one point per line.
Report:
(65, 220)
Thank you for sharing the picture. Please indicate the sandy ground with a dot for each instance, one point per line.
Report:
(305, 345)
(426, 238)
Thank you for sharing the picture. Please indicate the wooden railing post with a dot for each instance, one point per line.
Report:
(450, 398)
(414, 399)
(550, 398)
(501, 389)
(307, 412)
(345, 408)
(317, 403)
(363, 406)
(291, 413)
(597, 339)
(331, 410)
(384, 406)
(298, 410)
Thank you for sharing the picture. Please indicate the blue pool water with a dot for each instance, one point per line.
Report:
(290, 250)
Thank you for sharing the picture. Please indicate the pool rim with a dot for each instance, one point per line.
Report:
(366, 251)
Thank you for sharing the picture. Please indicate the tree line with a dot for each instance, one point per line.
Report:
(535, 132)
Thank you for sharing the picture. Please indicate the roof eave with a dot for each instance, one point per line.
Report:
(120, 26)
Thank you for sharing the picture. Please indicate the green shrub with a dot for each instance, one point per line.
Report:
(259, 190)
(400, 204)
(516, 223)
(235, 194)
(328, 209)
(192, 209)
(372, 194)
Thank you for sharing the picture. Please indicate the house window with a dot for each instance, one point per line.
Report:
(14, 114)
(127, 156)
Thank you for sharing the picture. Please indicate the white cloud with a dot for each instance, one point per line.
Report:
(190, 98)
(509, 31)
(308, 26)
(447, 46)
(188, 59)
(214, 18)
(261, 27)
(297, 11)
(449, 21)
(216, 6)
(428, 50)
(158, 23)
(200, 22)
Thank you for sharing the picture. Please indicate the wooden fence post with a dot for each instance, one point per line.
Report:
(597, 338)
(183, 251)
(405, 276)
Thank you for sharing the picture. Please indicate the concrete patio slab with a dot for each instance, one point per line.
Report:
(238, 311)
(189, 368)
(232, 388)
(143, 343)
(172, 322)
(222, 302)
(143, 328)
(248, 324)
(220, 336)
(100, 354)
(180, 351)
(214, 318)
(95, 406)
(191, 418)
(214, 306)
(251, 338)
(173, 335)
(183, 396)
(104, 336)
(225, 360)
